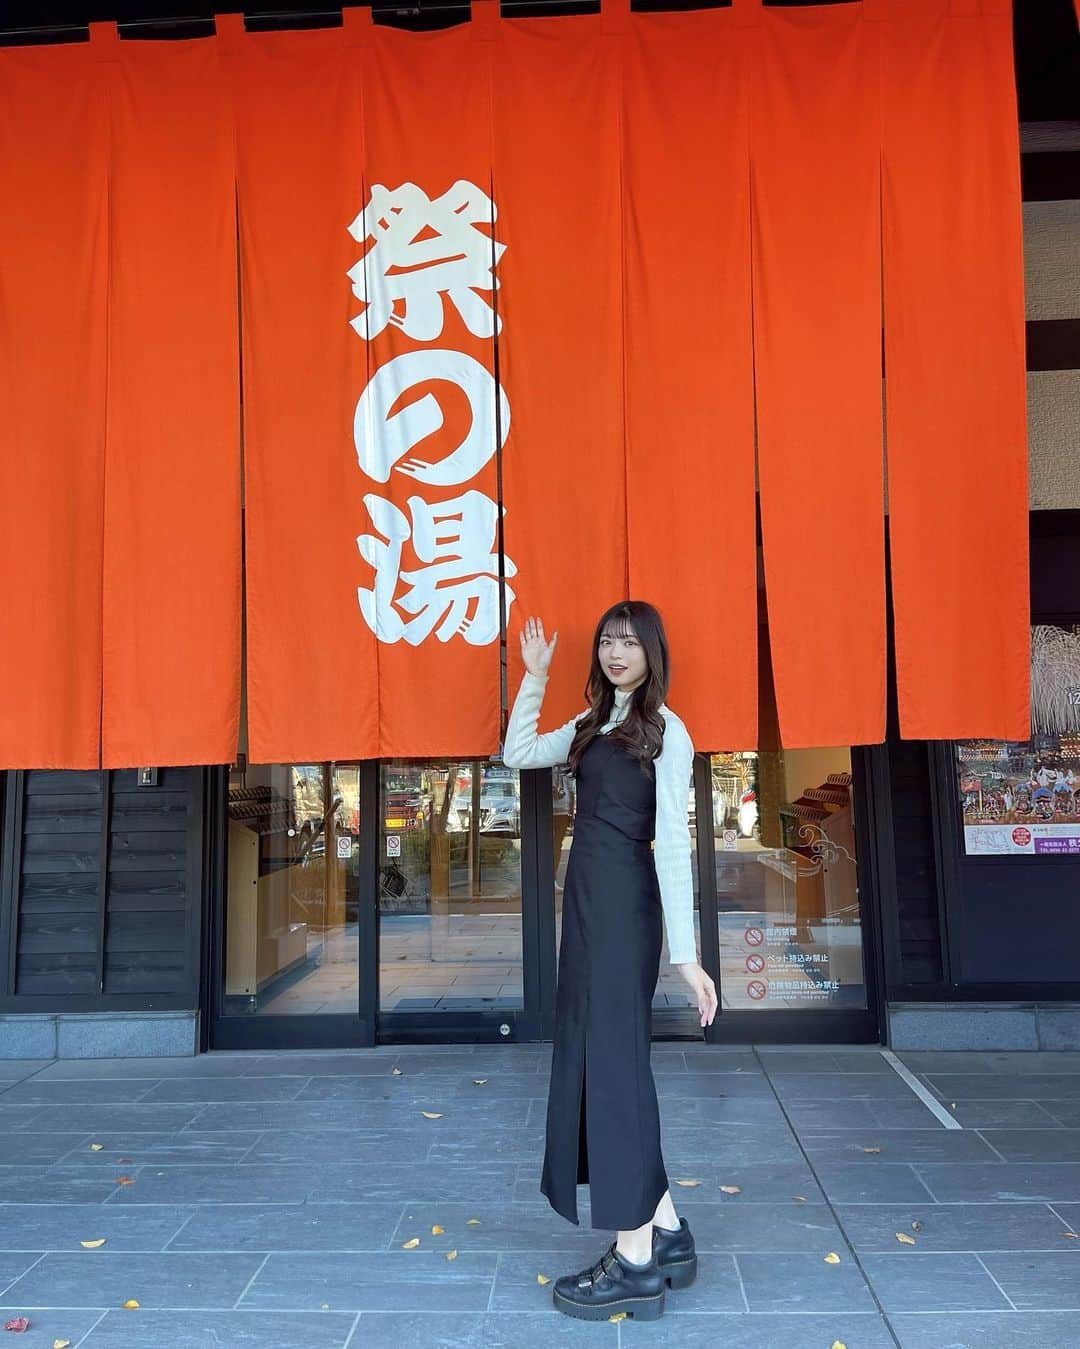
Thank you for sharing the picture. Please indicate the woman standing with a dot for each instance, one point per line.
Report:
(632, 758)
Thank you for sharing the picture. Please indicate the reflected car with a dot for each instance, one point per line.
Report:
(403, 810)
(500, 812)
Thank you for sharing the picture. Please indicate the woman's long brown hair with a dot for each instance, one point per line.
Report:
(641, 732)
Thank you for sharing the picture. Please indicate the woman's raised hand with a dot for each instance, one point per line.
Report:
(535, 651)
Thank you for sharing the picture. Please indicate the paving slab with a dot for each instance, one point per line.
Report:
(855, 1330)
(803, 1283)
(14, 1264)
(105, 1279)
(379, 1281)
(880, 1147)
(50, 1324)
(1002, 1182)
(1004, 1115)
(1004, 1086)
(480, 1330)
(14, 1070)
(986, 1330)
(1034, 1145)
(62, 1227)
(287, 1227)
(273, 1195)
(1037, 1280)
(932, 1282)
(954, 1227)
(148, 1329)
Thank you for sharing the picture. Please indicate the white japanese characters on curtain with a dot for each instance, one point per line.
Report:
(422, 255)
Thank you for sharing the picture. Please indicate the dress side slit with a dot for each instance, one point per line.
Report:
(583, 1128)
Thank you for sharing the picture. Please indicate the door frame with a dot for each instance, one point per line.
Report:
(535, 1020)
(532, 1022)
(811, 1025)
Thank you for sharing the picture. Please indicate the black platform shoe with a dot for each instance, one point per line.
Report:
(612, 1285)
(674, 1253)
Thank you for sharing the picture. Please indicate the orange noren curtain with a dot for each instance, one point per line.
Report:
(559, 264)
(171, 613)
(425, 427)
(53, 261)
(817, 332)
(311, 661)
(689, 376)
(561, 348)
(954, 364)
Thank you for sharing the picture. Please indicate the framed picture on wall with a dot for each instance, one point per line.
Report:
(1022, 797)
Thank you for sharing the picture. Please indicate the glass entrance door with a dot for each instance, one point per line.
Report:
(422, 900)
(376, 901)
(777, 903)
(450, 932)
(288, 965)
(786, 896)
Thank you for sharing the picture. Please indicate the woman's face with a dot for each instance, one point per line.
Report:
(622, 658)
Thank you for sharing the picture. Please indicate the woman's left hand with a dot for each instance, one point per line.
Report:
(703, 988)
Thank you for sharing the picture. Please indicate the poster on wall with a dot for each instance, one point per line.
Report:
(1023, 796)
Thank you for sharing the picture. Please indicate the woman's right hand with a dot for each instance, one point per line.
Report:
(535, 651)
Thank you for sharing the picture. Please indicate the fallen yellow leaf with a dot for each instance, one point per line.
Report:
(473, 1222)
(542, 1278)
(408, 1245)
(96, 1147)
(731, 1189)
(436, 1230)
(124, 1180)
(903, 1236)
(832, 1258)
(430, 1114)
(60, 1344)
(688, 1183)
(619, 1316)
(838, 1344)
(93, 1245)
(131, 1304)
(451, 1255)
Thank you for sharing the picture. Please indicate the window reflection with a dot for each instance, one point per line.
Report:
(786, 880)
(293, 885)
(449, 887)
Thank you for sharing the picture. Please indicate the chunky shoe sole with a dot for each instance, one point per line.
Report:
(640, 1308)
(680, 1273)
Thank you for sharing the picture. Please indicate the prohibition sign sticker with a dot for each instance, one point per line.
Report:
(757, 989)
(1021, 836)
(754, 936)
(755, 963)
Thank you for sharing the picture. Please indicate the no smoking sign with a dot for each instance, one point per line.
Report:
(754, 936)
(757, 989)
(755, 964)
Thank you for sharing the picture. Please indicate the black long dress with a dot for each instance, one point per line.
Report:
(603, 1122)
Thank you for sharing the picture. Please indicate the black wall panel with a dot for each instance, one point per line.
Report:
(102, 889)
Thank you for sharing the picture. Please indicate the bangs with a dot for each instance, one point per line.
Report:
(619, 627)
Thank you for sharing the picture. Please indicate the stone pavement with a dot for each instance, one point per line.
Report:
(271, 1197)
